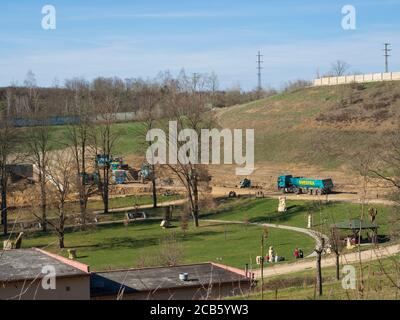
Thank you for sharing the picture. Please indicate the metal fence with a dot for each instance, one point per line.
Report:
(65, 120)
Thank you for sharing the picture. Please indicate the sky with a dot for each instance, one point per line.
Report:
(129, 39)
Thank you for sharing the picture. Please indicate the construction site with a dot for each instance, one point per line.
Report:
(274, 177)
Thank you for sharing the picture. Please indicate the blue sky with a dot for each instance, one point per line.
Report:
(140, 38)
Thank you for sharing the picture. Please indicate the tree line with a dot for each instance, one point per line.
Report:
(29, 98)
(69, 171)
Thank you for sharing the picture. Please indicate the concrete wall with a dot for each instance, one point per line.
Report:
(188, 293)
(363, 78)
(67, 288)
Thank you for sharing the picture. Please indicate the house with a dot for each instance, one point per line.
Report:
(34, 274)
(183, 282)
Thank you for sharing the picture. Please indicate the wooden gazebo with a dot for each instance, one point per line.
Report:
(357, 225)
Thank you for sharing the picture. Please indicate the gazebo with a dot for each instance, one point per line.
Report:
(357, 225)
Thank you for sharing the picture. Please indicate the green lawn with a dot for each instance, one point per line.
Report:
(143, 243)
(140, 243)
(265, 210)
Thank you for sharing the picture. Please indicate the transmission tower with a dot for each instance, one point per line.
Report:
(259, 68)
(387, 55)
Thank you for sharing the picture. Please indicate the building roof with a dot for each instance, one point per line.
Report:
(355, 224)
(153, 279)
(27, 264)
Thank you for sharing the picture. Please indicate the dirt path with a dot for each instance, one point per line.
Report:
(116, 210)
(310, 264)
(342, 197)
(329, 261)
(145, 206)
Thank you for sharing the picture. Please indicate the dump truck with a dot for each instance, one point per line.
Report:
(299, 185)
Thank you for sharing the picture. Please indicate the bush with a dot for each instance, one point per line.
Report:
(375, 105)
(295, 85)
(381, 115)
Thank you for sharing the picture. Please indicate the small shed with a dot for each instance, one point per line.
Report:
(356, 226)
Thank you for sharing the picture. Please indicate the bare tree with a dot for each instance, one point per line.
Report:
(8, 147)
(339, 68)
(78, 141)
(214, 82)
(103, 140)
(189, 110)
(319, 249)
(30, 80)
(336, 245)
(290, 86)
(60, 173)
(364, 162)
(149, 100)
(31, 100)
(38, 143)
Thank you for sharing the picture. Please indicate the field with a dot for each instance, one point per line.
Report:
(324, 214)
(130, 138)
(307, 121)
(145, 243)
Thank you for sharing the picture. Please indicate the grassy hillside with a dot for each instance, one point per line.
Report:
(131, 138)
(315, 125)
(377, 277)
(265, 211)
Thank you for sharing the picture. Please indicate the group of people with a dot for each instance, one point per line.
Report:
(273, 257)
(298, 253)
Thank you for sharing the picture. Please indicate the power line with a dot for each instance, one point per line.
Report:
(387, 50)
(259, 68)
